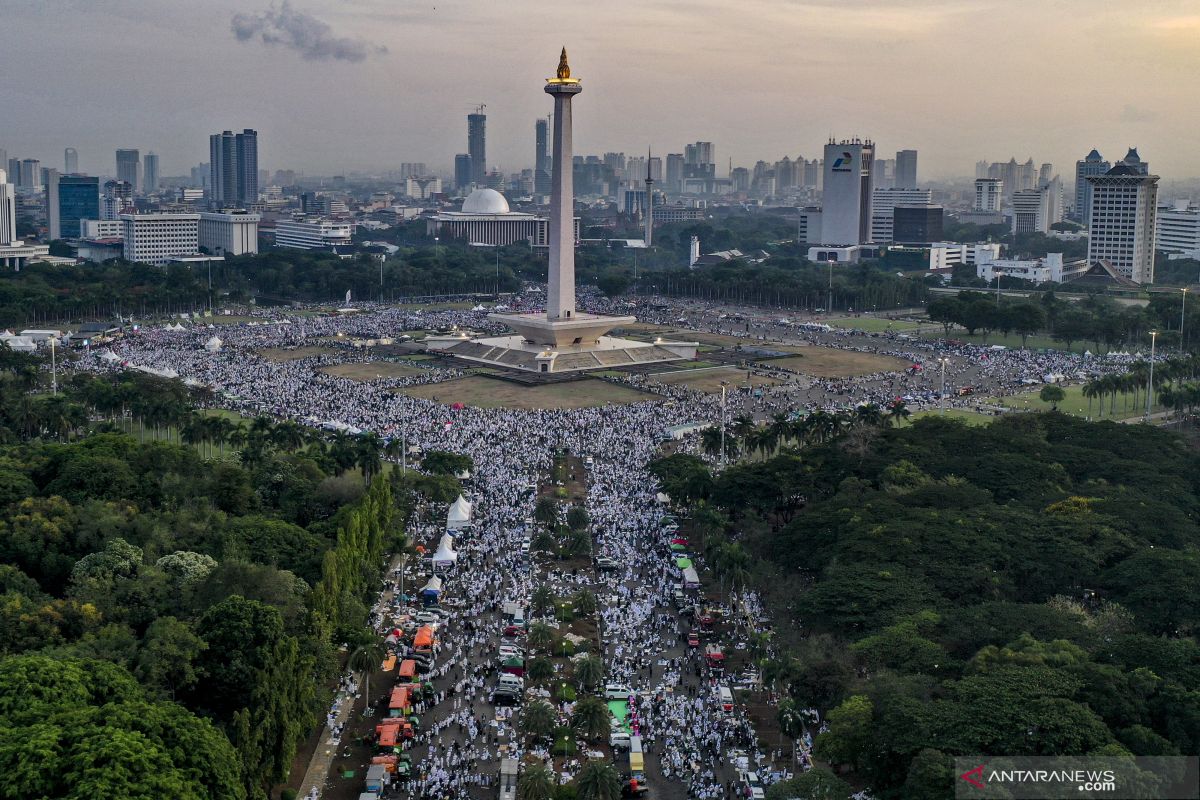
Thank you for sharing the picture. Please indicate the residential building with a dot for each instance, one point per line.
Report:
(69, 199)
(117, 199)
(31, 174)
(70, 161)
(462, 171)
(229, 233)
(157, 238)
(313, 233)
(917, 224)
(129, 167)
(740, 178)
(848, 192)
(477, 145)
(884, 201)
(989, 195)
(1122, 225)
(906, 169)
(1177, 229)
(150, 173)
(1035, 210)
(233, 168)
(408, 169)
(1092, 164)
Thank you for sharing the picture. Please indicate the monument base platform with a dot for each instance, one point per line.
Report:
(517, 352)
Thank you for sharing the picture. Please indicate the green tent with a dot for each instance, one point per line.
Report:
(683, 563)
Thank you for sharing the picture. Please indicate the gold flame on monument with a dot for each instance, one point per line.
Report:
(564, 70)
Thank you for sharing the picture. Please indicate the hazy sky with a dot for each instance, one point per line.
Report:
(342, 85)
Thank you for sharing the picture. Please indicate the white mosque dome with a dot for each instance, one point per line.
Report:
(485, 201)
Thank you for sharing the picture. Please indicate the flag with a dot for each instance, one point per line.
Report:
(347, 295)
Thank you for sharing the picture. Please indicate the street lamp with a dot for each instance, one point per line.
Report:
(53, 366)
(1182, 309)
(944, 361)
(724, 389)
(1150, 380)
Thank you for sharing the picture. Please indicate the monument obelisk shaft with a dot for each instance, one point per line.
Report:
(560, 291)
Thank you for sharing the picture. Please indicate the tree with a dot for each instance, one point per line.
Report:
(441, 462)
(578, 518)
(545, 511)
(1053, 395)
(536, 782)
(540, 637)
(589, 671)
(817, 783)
(584, 602)
(850, 725)
(791, 722)
(542, 600)
(945, 310)
(1026, 319)
(598, 780)
(538, 719)
(167, 658)
(539, 669)
(365, 660)
(591, 718)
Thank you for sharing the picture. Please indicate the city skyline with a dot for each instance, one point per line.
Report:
(1107, 90)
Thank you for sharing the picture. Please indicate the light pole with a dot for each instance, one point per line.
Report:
(53, 366)
(724, 389)
(829, 307)
(1182, 317)
(1150, 379)
(943, 361)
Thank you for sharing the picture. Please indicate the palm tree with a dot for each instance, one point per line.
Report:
(584, 602)
(539, 669)
(591, 717)
(780, 427)
(598, 780)
(868, 414)
(394, 449)
(538, 719)
(288, 435)
(367, 447)
(710, 441)
(791, 722)
(365, 660)
(579, 544)
(535, 782)
(898, 412)
(542, 600)
(589, 671)
(743, 426)
(541, 637)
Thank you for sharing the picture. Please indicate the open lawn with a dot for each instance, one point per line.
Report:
(278, 354)
(484, 392)
(1075, 403)
(830, 362)
(371, 370)
(709, 380)
(1012, 340)
(970, 417)
(873, 324)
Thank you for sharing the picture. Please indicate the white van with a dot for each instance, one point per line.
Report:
(726, 697)
(510, 682)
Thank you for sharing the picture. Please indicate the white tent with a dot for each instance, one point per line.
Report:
(446, 554)
(213, 344)
(20, 344)
(663, 498)
(109, 355)
(459, 514)
(465, 475)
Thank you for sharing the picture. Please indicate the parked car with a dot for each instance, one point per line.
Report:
(615, 691)
(693, 639)
(606, 563)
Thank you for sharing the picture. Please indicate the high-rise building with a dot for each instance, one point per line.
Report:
(1135, 163)
(981, 169)
(14, 172)
(129, 167)
(8, 211)
(233, 168)
(246, 147)
(1045, 174)
(906, 169)
(1177, 229)
(117, 199)
(1035, 210)
(541, 157)
(157, 238)
(846, 217)
(989, 195)
(70, 161)
(917, 224)
(69, 199)
(231, 233)
(462, 171)
(408, 169)
(884, 201)
(31, 173)
(150, 173)
(1092, 164)
(1122, 223)
(699, 153)
(655, 165)
(674, 172)
(740, 178)
(477, 145)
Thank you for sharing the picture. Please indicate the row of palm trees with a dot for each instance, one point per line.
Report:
(745, 436)
(1170, 376)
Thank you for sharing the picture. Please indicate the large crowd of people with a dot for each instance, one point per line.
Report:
(696, 747)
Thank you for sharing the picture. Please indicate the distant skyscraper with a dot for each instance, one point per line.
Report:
(8, 211)
(674, 172)
(1135, 163)
(1122, 224)
(884, 202)
(462, 171)
(989, 195)
(655, 165)
(846, 217)
(981, 169)
(477, 146)
(70, 161)
(70, 198)
(31, 173)
(117, 199)
(129, 164)
(150, 173)
(906, 169)
(1045, 174)
(541, 157)
(1092, 164)
(1035, 210)
(233, 168)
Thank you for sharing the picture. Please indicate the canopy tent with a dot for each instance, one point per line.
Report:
(433, 588)
(446, 554)
(683, 563)
(20, 344)
(213, 344)
(678, 548)
(465, 475)
(109, 355)
(459, 514)
(663, 498)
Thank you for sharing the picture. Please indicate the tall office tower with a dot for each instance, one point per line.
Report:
(3, 161)
(117, 199)
(70, 161)
(8, 211)
(699, 153)
(541, 157)
(477, 145)
(1045, 174)
(70, 198)
(1135, 163)
(885, 173)
(885, 201)
(246, 149)
(222, 159)
(981, 169)
(31, 173)
(906, 169)
(1092, 164)
(14, 172)
(200, 175)
(846, 217)
(1177, 228)
(655, 165)
(989, 195)
(785, 176)
(129, 164)
(462, 171)
(739, 178)
(1027, 175)
(618, 164)
(1121, 227)
(674, 172)
(1028, 209)
(812, 173)
(150, 173)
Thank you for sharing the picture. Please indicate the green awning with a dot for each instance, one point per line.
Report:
(683, 563)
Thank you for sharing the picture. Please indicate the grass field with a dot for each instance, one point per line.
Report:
(873, 324)
(371, 370)
(969, 417)
(1075, 403)
(1012, 340)
(709, 380)
(491, 393)
(279, 354)
(829, 362)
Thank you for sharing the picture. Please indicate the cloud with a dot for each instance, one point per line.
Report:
(307, 35)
